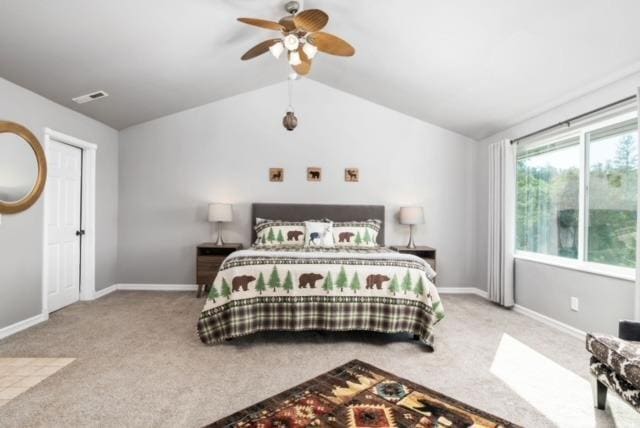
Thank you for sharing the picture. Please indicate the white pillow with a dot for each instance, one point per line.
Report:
(318, 234)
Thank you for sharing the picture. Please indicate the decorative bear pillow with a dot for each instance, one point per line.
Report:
(356, 233)
(318, 234)
(271, 233)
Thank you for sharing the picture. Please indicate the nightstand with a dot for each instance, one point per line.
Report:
(209, 258)
(424, 252)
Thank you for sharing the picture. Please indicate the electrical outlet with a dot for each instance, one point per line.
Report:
(575, 304)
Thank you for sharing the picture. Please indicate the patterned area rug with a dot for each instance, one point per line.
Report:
(359, 395)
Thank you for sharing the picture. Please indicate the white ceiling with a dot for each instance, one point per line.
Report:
(474, 67)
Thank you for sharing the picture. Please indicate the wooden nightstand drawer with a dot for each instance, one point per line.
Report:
(214, 251)
(209, 263)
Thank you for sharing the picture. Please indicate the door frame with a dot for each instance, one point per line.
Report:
(88, 210)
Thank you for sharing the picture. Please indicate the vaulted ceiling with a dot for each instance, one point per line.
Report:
(474, 67)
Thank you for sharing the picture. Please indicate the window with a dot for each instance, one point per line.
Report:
(613, 183)
(577, 194)
(548, 199)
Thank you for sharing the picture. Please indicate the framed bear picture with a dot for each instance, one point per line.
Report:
(314, 173)
(276, 174)
(351, 175)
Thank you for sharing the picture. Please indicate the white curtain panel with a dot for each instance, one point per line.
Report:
(637, 297)
(502, 202)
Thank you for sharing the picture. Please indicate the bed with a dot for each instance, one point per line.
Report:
(307, 288)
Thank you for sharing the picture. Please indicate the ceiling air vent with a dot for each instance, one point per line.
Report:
(90, 97)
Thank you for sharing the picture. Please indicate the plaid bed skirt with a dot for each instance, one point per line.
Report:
(332, 313)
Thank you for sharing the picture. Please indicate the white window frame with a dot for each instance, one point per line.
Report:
(581, 264)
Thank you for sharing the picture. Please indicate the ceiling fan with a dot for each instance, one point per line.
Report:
(301, 37)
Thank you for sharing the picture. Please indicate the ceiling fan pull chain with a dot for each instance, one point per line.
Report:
(290, 89)
(290, 121)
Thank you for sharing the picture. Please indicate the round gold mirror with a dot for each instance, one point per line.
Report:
(23, 168)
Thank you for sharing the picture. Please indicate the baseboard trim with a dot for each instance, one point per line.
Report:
(463, 290)
(157, 287)
(558, 325)
(22, 325)
(108, 290)
(30, 322)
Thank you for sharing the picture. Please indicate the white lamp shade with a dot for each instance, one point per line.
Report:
(411, 215)
(276, 49)
(291, 42)
(294, 58)
(220, 212)
(310, 50)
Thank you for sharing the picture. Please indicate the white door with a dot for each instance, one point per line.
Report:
(63, 196)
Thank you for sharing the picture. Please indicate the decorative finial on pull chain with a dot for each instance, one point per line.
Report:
(290, 121)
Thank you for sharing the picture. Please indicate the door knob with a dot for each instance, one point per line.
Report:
(80, 232)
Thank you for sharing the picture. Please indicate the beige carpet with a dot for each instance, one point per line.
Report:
(139, 363)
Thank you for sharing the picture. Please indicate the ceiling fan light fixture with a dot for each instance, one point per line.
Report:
(276, 49)
(310, 50)
(301, 35)
(291, 42)
(294, 58)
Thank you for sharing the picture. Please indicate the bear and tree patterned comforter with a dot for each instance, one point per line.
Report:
(301, 288)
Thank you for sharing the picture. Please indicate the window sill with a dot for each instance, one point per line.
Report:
(626, 274)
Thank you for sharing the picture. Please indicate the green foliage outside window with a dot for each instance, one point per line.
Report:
(548, 197)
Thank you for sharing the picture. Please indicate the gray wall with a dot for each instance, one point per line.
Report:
(547, 289)
(21, 234)
(171, 168)
(481, 214)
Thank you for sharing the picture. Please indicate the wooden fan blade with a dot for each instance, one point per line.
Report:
(311, 20)
(259, 49)
(333, 45)
(305, 67)
(270, 25)
(287, 23)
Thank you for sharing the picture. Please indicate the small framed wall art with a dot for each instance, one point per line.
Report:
(276, 174)
(314, 173)
(352, 175)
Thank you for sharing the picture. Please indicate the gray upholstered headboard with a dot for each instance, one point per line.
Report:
(301, 212)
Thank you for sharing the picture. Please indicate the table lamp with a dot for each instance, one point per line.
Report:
(220, 213)
(411, 216)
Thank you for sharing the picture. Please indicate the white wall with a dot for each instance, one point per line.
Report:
(21, 234)
(172, 167)
(548, 289)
